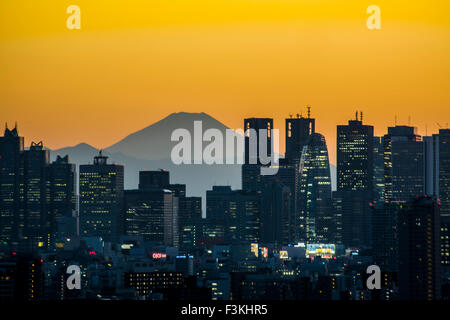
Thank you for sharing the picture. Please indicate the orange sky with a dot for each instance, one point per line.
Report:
(134, 62)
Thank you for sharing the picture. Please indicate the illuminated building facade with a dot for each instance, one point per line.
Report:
(315, 192)
(101, 193)
(355, 173)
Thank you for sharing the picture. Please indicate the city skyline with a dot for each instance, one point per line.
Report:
(128, 67)
(281, 128)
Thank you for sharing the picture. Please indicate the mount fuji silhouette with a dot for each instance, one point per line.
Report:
(150, 149)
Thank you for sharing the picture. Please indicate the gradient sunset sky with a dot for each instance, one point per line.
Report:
(134, 62)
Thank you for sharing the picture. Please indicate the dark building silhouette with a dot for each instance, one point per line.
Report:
(11, 148)
(298, 131)
(62, 202)
(189, 208)
(21, 279)
(257, 135)
(101, 195)
(34, 228)
(385, 236)
(378, 171)
(404, 164)
(444, 173)
(236, 212)
(431, 170)
(419, 236)
(154, 179)
(277, 221)
(437, 177)
(150, 213)
(355, 173)
(190, 220)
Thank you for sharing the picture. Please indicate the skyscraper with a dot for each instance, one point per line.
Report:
(419, 236)
(101, 195)
(378, 171)
(251, 177)
(35, 195)
(149, 213)
(355, 173)
(444, 173)
(62, 182)
(298, 131)
(404, 164)
(11, 147)
(316, 214)
(237, 212)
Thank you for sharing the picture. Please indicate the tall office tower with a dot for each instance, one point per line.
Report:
(101, 195)
(237, 212)
(437, 182)
(316, 212)
(190, 221)
(419, 236)
(298, 131)
(277, 189)
(338, 220)
(160, 179)
(385, 236)
(404, 164)
(431, 170)
(277, 223)
(355, 172)
(251, 177)
(444, 173)
(378, 171)
(11, 147)
(35, 193)
(62, 182)
(150, 213)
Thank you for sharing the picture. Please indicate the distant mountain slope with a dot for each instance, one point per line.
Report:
(150, 148)
(153, 142)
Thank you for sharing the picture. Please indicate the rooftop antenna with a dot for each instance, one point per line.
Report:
(356, 115)
(309, 111)
(361, 115)
(6, 125)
